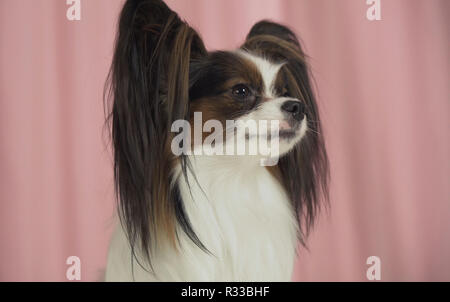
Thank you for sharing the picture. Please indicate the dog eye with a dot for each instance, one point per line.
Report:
(241, 91)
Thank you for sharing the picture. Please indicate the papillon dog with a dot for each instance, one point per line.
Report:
(209, 217)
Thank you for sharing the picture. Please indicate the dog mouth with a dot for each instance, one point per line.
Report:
(286, 134)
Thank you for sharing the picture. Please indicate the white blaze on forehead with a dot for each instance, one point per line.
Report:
(268, 70)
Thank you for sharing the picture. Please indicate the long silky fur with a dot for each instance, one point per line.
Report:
(304, 171)
(146, 97)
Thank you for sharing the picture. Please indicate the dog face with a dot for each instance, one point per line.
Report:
(267, 79)
(244, 86)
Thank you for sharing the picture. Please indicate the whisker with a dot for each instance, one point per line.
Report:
(309, 129)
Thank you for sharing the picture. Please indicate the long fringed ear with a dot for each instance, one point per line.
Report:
(269, 28)
(149, 89)
(305, 170)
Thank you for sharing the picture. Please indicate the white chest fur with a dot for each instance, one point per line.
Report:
(242, 216)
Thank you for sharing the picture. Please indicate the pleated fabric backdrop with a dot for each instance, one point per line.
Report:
(384, 95)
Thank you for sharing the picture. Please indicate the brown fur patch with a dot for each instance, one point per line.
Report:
(220, 104)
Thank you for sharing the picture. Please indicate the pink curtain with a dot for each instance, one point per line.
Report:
(384, 96)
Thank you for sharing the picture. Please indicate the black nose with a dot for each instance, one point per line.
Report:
(295, 108)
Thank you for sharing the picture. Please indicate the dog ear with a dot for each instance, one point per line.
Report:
(304, 171)
(268, 39)
(269, 28)
(149, 89)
